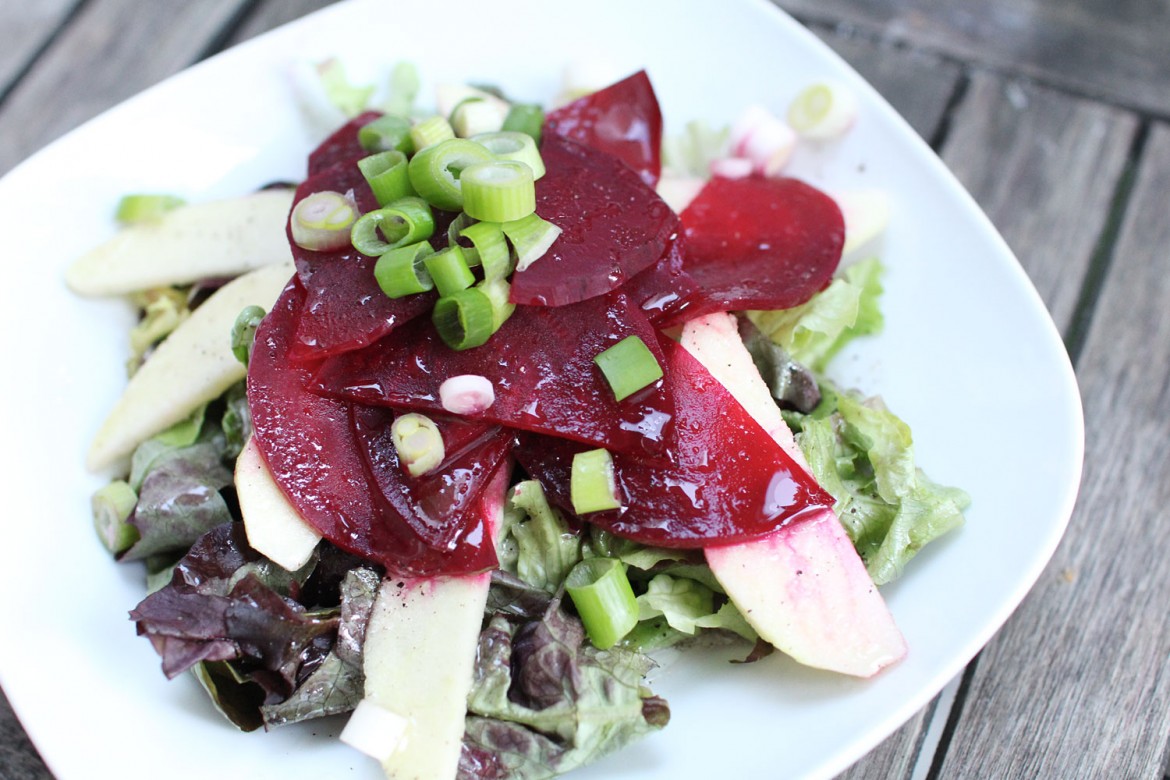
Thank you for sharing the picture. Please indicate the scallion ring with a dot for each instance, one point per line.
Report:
(405, 221)
(605, 601)
(435, 171)
(513, 145)
(491, 249)
(385, 133)
(531, 237)
(322, 221)
(527, 118)
(430, 131)
(387, 175)
(401, 271)
(464, 319)
(498, 191)
(449, 270)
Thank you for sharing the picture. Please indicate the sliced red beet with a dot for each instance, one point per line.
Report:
(541, 365)
(312, 450)
(623, 119)
(665, 291)
(730, 482)
(433, 503)
(615, 226)
(345, 309)
(760, 243)
(342, 145)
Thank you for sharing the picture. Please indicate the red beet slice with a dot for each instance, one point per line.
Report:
(311, 448)
(433, 503)
(760, 243)
(615, 226)
(342, 145)
(541, 365)
(665, 291)
(623, 119)
(730, 481)
(345, 309)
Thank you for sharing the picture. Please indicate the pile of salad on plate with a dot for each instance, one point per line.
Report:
(460, 431)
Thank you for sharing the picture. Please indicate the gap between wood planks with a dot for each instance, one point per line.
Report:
(50, 39)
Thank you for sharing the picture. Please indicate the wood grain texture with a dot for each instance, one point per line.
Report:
(918, 85)
(274, 13)
(27, 27)
(1077, 684)
(111, 50)
(1103, 48)
(1044, 167)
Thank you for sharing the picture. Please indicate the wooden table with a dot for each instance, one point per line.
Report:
(1053, 113)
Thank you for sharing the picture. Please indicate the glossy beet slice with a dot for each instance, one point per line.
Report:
(433, 503)
(311, 447)
(665, 291)
(730, 481)
(541, 365)
(615, 226)
(345, 309)
(760, 243)
(342, 145)
(623, 119)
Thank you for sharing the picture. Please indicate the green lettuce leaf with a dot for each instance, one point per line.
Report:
(535, 542)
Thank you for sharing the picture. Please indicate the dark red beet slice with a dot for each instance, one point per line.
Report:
(311, 448)
(345, 309)
(665, 291)
(731, 481)
(760, 243)
(614, 226)
(342, 145)
(623, 120)
(433, 503)
(541, 364)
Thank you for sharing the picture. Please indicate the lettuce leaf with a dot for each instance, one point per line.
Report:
(536, 543)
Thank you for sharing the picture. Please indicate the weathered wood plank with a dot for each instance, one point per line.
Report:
(273, 14)
(1078, 682)
(112, 50)
(27, 27)
(1102, 48)
(1044, 167)
(917, 84)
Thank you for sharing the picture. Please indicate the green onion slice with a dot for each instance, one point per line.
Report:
(418, 443)
(139, 208)
(244, 332)
(322, 221)
(474, 114)
(628, 366)
(604, 599)
(449, 270)
(592, 487)
(430, 131)
(386, 133)
(527, 118)
(435, 171)
(823, 111)
(401, 271)
(498, 292)
(387, 175)
(455, 231)
(531, 237)
(405, 221)
(498, 191)
(112, 506)
(513, 145)
(464, 319)
(491, 249)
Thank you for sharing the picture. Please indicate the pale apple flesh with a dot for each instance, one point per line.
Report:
(803, 588)
(274, 527)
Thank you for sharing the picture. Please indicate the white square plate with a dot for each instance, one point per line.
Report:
(969, 357)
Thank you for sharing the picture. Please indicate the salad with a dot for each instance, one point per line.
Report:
(498, 439)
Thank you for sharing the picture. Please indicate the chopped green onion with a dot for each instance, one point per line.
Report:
(430, 131)
(136, 209)
(386, 173)
(498, 292)
(823, 111)
(531, 237)
(592, 487)
(404, 84)
(513, 145)
(405, 221)
(527, 118)
(386, 133)
(435, 171)
(418, 443)
(322, 221)
(449, 270)
(498, 191)
(454, 230)
(350, 99)
(244, 332)
(491, 249)
(400, 271)
(464, 319)
(112, 506)
(474, 115)
(604, 599)
(628, 366)
(163, 308)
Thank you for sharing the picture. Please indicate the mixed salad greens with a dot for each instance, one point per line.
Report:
(484, 586)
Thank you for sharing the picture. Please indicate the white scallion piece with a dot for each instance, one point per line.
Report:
(823, 111)
(467, 394)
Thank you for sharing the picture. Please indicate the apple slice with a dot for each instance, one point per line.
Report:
(274, 527)
(216, 239)
(803, 588)
(192, 366)
(418, 660)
